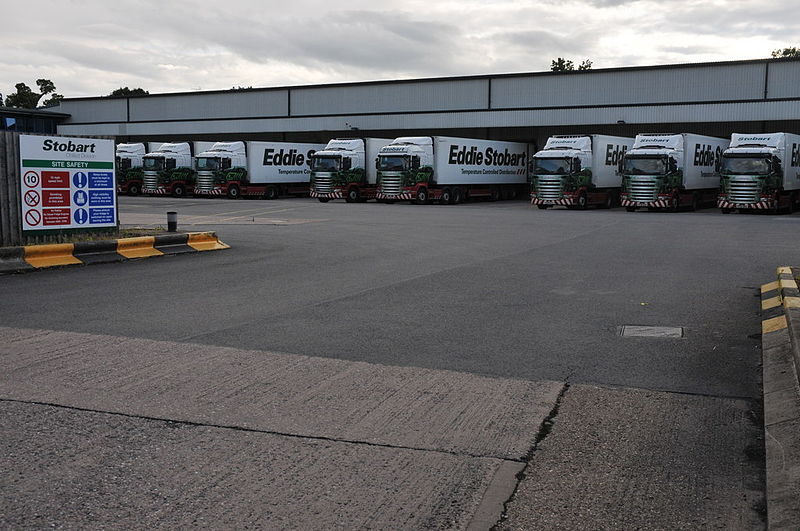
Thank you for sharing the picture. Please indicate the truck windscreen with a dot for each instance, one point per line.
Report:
(208, 164)
(645, 166)
(325, 164)
(745, 166)
(550, 166)
(153, 163)
(393, 163)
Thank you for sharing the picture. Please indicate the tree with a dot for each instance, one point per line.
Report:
(26, 98)
(786, 52)
(124, 92)
(565, 65)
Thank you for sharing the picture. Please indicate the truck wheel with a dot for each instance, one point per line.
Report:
(444, 199)
(457, 196)
(233, 191)
(353, 195)
(271, 192)
(674, 203)
(323, 199)
(495, 194)
(133, 189)
(726, 210)
(422, 196)
(630, 209)
(543, 207)
(583, 201)
(178, 190)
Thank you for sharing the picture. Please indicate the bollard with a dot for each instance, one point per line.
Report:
(172, 221)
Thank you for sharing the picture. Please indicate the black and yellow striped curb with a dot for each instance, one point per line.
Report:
(29, 257)
(777, 298)
(780, 351)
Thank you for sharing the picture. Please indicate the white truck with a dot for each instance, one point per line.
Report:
(578, 171)
(449, 170)
(669, 171)
(346, 169)
(254, 169)
(129, 169)
(169, 169)
(760, 171)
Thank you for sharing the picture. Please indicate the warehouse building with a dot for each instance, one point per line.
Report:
(706, 98)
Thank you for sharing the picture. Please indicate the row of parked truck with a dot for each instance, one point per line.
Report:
(654, 171)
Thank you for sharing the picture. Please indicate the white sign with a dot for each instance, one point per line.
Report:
(67, 183)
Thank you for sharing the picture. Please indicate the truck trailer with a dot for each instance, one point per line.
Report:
(170, 168)
(669, 171)
(346, 169)
(254, 169)
(129, 171)
(760, 172)
(450, 170)
(578, 171)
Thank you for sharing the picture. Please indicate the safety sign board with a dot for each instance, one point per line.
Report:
(67, 183)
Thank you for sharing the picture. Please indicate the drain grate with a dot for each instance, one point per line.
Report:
(651, 331)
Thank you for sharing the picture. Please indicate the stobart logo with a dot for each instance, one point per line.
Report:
(471, 156)
(69, 147)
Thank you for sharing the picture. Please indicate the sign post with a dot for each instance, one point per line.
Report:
(67, 183)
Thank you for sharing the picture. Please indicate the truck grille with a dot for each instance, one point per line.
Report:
(743, 192)
(150, 180)
(643, 191)
(323, 182)
(205, 181)
(550, 188)
(391, 184)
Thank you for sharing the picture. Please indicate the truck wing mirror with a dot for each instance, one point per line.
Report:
(377, 163)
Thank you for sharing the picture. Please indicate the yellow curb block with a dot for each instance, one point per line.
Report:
(774, 324)
(770, 303)
(205, 241)
(791, 302)
(769, 287)
(50, 255)
(139, 247)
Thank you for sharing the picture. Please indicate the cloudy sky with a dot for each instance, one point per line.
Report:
(89, 48)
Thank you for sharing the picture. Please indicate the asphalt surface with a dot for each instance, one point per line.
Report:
(477, 293)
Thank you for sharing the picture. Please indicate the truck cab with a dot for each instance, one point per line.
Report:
(652, 170)
(169, 170)
(752, 173)
(221, 169)
(403, 166)
(129, 159)
(561, 169)
(339, 170)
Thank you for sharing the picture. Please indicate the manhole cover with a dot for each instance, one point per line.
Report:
(651, 331)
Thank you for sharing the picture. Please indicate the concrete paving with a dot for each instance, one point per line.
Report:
(398, 330)
(281, 393)
(634, 459)
(85, 470)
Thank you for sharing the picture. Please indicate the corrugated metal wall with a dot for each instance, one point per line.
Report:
(726, 92)
(712, 83)
(423, 96)
(236, 104)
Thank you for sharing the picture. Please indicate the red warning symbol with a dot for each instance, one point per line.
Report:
(33, 217)
(32, 198)
(31, 179)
